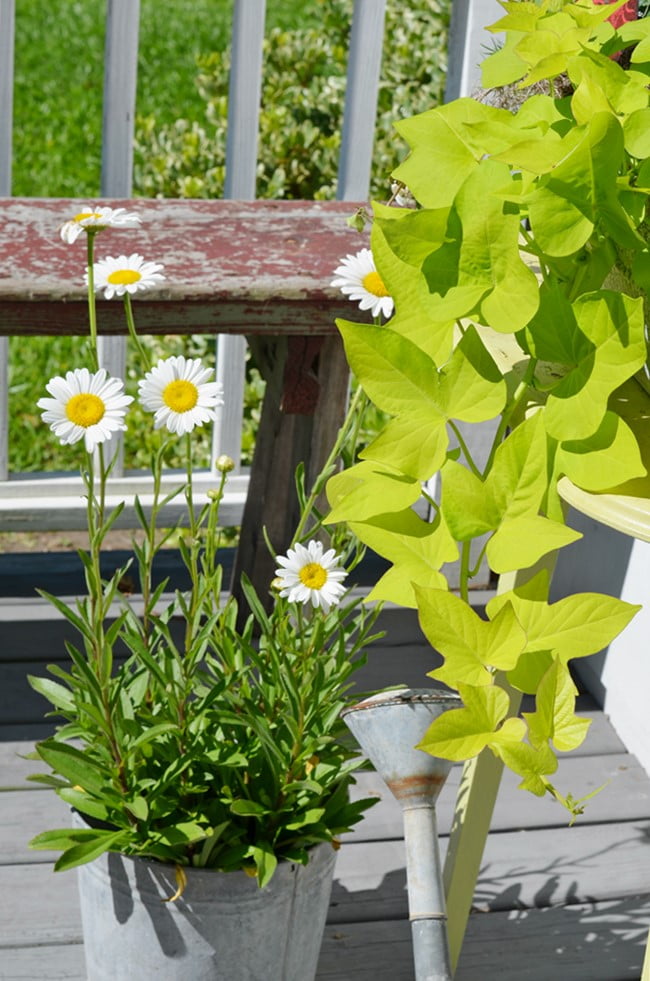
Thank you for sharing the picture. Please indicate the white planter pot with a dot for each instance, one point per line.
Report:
(223, 927)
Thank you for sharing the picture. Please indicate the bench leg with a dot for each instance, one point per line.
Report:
(304, 405)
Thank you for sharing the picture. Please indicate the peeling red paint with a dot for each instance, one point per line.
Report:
(230, 266)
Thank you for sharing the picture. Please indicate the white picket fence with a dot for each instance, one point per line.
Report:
(42, 500)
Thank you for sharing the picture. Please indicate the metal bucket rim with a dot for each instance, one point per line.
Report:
(404, 696)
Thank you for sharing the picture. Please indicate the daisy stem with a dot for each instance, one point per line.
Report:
(92, 310)
(133, 334)
(359, 398)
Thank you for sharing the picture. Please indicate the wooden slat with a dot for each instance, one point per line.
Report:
(598, 941)
(364, 65)
(56, 503)
(7, 32)
(245, 88)
(263, 267)
(244, 96)
(120, 75)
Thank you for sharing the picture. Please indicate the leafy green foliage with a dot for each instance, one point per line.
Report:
(521, 293)
(302, 106)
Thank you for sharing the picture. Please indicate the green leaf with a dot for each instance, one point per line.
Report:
(554, 718)
(368, 489)
(530, 762)
(608, 458)
(520, 542)
(575, 626)
(442, 144)
(101, 842)
(609, 348)
(265, 862)
(518, 477)
(393, 242)
(529, 671)
(248, 808)
(82, 802)
(57, 694)
(467, 507)
(77, 767)
(416, 548)
(468, 644)
(460, 734)
(582, 191)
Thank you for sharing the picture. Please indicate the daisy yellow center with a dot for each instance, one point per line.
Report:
(86, 214)
(180, 395)
(123, 277)
(313, 576)
(374, 284)
(85, 409)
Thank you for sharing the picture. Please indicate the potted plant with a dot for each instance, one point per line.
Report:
(520, 286)
(205, 761)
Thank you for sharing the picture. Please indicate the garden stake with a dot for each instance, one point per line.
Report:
(388, 726)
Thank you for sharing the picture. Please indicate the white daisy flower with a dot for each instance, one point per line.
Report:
(92, 216)
(179, 394)
(125, 274)
(85, 406)
(307, 574)
(358, 279)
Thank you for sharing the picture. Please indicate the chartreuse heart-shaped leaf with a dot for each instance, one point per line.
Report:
(469, 645)
(520, 542)
(416, 443)
(402, 380)
(399, 246)
(529, 671)
(575, 626)
(554, 719)
(443, 145)
(416, 548)
(612, 88)
(517, 479)
(582, 190)
(367, 489)
(490, 273)
(609, 348)
(460, 734)
(530, 762)
(468, 509)
(608, 458)
(507, 502)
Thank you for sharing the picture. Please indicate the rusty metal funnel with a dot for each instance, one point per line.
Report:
(388, 726)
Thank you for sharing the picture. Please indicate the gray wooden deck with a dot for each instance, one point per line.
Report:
(552, 902)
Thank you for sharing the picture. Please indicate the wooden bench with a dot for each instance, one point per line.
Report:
(243, 270)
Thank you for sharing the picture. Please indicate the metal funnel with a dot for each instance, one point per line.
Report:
(388, 726)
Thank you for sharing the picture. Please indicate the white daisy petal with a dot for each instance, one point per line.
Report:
(176, 391)
(125, 274)
(85, 406)
(306, 574)
(358, 279)
(97, 218)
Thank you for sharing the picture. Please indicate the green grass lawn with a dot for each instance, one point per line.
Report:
(59, 65)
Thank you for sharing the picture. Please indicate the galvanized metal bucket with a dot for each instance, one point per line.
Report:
(223, 927)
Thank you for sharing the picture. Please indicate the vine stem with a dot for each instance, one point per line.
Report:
(359, 398)
(464, 447)
(92, 309)
(520, 391)
(133, 334)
